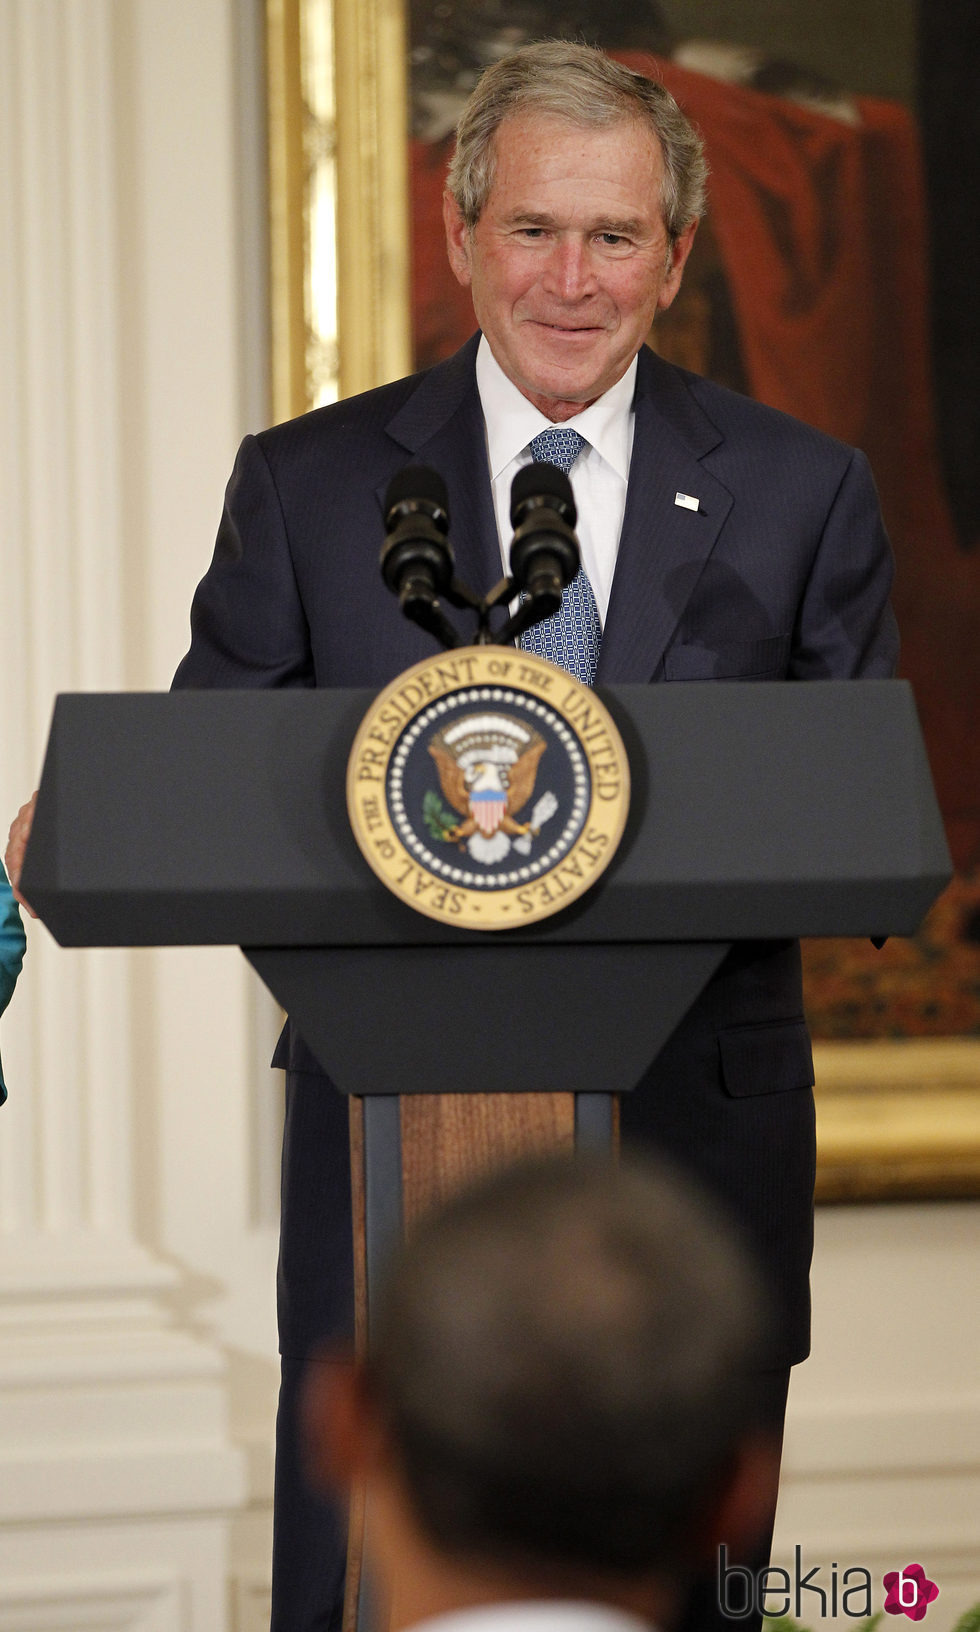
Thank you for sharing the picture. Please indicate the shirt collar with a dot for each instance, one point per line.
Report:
(512, 421)
(536, 1615)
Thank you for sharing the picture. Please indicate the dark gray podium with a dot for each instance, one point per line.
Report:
(758, 811)
(763, 810)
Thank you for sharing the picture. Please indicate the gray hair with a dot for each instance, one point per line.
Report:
(563, 1359)
(580, 84)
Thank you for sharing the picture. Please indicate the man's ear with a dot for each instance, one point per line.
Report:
(742, 1509)
(457, 239)
(340, 1435)
(680, 249)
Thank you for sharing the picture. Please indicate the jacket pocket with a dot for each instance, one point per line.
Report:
(731, 660)
(766, 1058)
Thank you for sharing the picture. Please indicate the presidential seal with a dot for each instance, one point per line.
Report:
(487, 788)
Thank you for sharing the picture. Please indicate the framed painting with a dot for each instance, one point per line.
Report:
(832, 278)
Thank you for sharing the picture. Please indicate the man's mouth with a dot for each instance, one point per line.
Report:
(570, 328)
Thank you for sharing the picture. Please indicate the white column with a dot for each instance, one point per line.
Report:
(64, 1152)
(113, 1435)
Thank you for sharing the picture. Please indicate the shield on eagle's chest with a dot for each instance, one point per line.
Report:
(487, 806)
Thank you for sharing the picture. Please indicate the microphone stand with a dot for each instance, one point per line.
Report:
(421, 606)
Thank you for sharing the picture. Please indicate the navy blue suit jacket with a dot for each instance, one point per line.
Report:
(783, 571)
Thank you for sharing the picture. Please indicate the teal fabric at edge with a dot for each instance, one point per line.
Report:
(12, 946)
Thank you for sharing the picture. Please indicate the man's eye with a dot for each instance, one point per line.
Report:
(613, 240)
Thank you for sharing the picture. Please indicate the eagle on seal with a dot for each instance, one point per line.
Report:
(487, 769)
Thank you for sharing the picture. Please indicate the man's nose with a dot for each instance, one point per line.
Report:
(571, 274)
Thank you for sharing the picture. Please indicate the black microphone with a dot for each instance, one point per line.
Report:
(417, 560)
(544, 555)
(417, 557)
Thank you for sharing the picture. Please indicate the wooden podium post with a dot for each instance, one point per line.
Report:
(448, 1139)
(443, 1141)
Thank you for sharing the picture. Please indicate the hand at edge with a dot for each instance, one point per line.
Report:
(20, 832)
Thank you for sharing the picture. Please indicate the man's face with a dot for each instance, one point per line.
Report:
(569, 260)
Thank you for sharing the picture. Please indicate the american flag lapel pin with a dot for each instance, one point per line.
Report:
(687, 501)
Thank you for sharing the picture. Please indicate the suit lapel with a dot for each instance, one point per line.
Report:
(664, 546)
(442, 425)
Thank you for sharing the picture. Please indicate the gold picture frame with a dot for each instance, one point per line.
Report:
(896, 1120)
(356, 128)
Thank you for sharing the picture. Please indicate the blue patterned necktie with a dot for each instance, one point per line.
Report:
(571, 636)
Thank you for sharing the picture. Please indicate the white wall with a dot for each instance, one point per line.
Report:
(138, 1150)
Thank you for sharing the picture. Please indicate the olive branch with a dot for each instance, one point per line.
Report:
(436, 817)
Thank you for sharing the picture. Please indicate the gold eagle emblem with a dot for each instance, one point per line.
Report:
(488, 766)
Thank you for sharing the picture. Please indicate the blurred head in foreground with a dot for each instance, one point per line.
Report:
(557, 1399)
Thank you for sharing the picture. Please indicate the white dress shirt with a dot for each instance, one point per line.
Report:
(536, 1615)
(598, 476)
